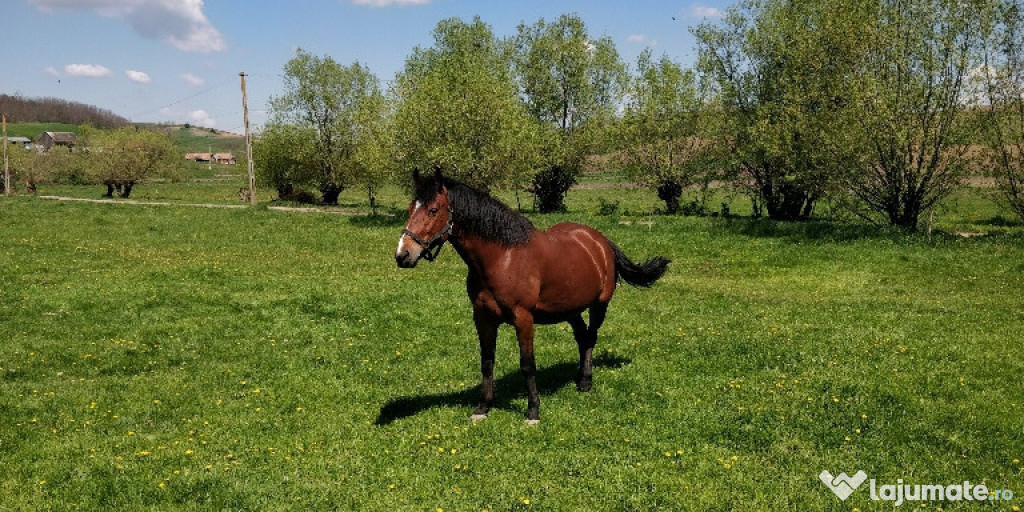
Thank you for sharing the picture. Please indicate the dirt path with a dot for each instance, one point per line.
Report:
(311, 209)
(143, 203)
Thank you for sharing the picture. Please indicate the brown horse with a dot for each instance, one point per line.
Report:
(519, 275)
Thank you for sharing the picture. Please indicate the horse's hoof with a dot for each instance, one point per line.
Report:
(478, 417)
(532, 422)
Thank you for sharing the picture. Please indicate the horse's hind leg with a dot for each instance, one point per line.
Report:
(586, 338)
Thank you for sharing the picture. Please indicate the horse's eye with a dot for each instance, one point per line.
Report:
(433, 211)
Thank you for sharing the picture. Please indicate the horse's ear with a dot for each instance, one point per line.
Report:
(439, 179)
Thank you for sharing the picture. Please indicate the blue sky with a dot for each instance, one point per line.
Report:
(178, 60)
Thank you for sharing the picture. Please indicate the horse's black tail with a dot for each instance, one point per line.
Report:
(644, 274)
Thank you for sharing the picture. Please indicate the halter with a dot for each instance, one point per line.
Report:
(432, 246)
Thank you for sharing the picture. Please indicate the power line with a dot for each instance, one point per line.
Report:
(186, 98)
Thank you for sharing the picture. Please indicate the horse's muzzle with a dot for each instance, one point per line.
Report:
(406, 260)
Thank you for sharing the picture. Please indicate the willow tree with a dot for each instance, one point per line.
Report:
(572, 83)
(457, 107)
(1004, 91)
(327, 98)
(907, 105)
(123, 158)
(660, 128)
(282, 157)
(778, 67)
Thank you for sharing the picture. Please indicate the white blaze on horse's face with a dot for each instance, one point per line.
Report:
(408, 251)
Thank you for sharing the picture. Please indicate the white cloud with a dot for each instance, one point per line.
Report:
(192, 80)
(138, 77)
(201, 118)
(703, 12)
(180, 23)
(52, 71)
(87, 70)
(636, 38)
(389, 3)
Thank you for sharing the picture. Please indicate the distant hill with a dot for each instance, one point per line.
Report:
(20, 109)
(196, 139)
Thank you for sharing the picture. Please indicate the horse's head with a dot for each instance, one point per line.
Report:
(430, 221)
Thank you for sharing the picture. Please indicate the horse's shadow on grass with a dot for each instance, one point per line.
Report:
(506, 389)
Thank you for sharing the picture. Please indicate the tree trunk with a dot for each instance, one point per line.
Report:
(331, 192)
(670, 192)
(127, 190)
(285, 191)
(787, 202)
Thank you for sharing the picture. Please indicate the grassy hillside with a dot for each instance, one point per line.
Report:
(34, 130)
(195, 139)
(191, 139)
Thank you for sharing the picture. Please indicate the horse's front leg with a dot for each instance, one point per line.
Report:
(487, 331)
(528, 365)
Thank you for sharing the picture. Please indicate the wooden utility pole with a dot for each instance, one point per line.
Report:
(7, 170)
(248, 143)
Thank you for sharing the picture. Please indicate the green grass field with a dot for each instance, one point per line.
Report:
(34, 130)
(170, 357)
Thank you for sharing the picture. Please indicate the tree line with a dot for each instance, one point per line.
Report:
(518, 112)
(871, 105)
(881, 108)
(118, 159)
(20, 109)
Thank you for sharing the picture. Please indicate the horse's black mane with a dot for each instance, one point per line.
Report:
(481, 214)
